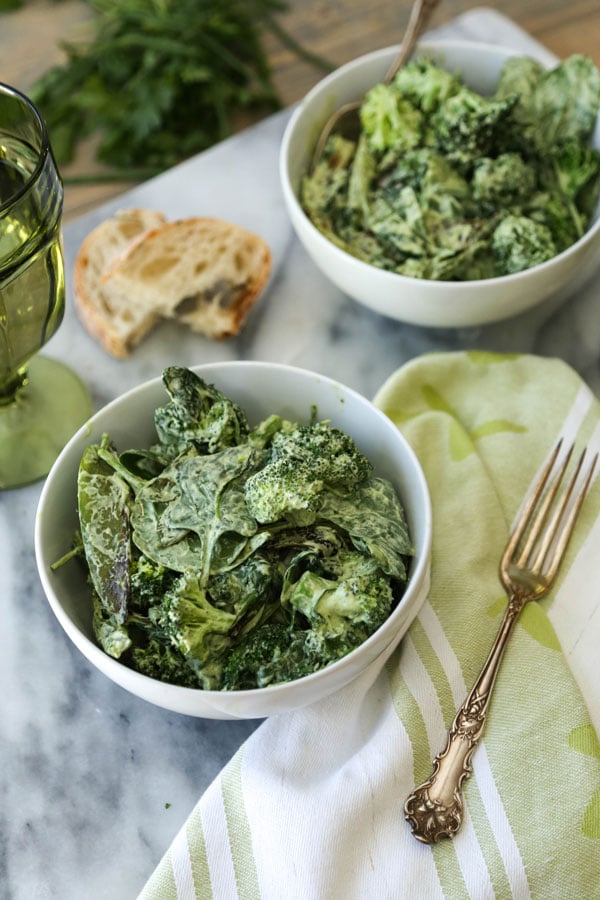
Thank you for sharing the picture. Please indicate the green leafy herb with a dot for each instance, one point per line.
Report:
(230, 557)
(160, 80)
(446, 184)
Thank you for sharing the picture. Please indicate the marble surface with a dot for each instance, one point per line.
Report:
(94, 783)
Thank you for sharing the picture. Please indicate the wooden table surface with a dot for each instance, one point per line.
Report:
(337, 30)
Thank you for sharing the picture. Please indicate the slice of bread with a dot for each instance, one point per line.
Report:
(203, 272)
(98, 251)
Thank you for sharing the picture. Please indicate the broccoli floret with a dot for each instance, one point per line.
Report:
(262, 434)
(301, 464)
(425, 84)
(198, 414)
(389, 121)
(332, 454)
(149, 583)
(344, 603)
(466, 126)
(271, 654)
(283, 490)
(249, 591)
(157, 660)
(502, 182)
(196, 628)
(518, 243)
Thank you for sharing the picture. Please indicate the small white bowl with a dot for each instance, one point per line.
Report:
(260, 388)
(413, 300)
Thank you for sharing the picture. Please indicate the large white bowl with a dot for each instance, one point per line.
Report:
(414, 300)
(261, 389)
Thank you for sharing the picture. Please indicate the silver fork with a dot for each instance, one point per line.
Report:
(528, 568)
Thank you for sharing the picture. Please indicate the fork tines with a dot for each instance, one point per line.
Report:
(559, 526)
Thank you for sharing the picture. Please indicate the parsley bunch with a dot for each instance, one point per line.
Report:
(161, 80)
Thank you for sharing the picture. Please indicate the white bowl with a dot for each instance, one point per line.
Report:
(261, 389)
(413, 300)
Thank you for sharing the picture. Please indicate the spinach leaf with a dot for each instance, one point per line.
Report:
(565, 102)
(374, 519)
(103, 504)
(193, 516)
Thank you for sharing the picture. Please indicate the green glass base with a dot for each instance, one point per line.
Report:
(34, 428)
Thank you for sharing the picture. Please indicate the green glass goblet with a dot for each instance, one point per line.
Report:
(42, 402)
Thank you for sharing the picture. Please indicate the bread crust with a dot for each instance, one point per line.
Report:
(97, 251)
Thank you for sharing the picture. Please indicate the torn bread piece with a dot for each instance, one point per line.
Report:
(203, 272)
(98, 251)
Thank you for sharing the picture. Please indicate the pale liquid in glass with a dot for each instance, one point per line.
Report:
(32, 284)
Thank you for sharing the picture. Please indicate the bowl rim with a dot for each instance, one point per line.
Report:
(385, 275)
(418, 573)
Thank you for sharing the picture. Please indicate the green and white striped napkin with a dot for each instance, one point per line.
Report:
(311, 806)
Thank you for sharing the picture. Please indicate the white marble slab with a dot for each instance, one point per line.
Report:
(94, 784)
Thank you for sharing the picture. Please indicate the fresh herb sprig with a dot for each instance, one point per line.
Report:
(160, 80)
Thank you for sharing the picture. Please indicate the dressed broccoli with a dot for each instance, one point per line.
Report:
(249, 591)
(519, 243)
(466, 127)
(503, 182)
(425, 84)
(345, 601)
(271, 654)
(158, 660)
(301, 464)
(389, 121)
(196, 628)
(148, 585)
(198, 414)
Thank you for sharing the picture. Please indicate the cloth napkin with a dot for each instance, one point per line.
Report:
(311, 806)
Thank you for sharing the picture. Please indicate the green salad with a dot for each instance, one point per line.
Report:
(230, 557)
(446, 184)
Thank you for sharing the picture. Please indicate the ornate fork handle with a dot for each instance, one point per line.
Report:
(435, 808)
